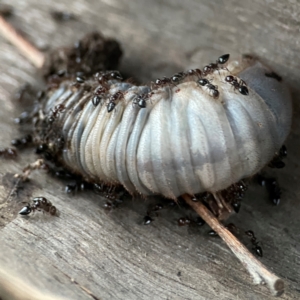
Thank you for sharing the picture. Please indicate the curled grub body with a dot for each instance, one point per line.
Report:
(183, 141)
(198, 131)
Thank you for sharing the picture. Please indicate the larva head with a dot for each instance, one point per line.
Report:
(273, 90)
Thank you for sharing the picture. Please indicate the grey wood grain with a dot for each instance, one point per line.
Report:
(87, 253)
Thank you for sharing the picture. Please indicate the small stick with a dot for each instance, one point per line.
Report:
(257, 270)
(26, 48)
(38, 164)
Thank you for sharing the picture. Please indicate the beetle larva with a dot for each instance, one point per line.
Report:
(196, 131)
(187, 137)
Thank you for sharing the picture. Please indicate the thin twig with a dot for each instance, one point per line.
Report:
(38, 164)
(27, 49)
(257, 270)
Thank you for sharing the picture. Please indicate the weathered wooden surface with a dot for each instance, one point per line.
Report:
(86, 253)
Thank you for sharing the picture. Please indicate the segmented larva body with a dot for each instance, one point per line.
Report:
(183, 141)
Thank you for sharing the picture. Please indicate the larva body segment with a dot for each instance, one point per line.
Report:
(183, 141)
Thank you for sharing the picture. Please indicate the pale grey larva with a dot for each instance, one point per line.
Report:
(183, 141)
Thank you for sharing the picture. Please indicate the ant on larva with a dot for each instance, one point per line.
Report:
(140, 100)
(111, 106)
(203, 81)
(194, 72)
(178, 77)
(80, 79)
(140, 138)
(161, 82)
(215, 66)
(39, 204)
(213, 89)
(239, 85)
(54, 113)
(61, 73)
(103, 77)
(112, 99)
(96, 100)
(99, 94)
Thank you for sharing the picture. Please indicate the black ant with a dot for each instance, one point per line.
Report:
(110, 75)
(6, 10)
(147, 220)
(40, 94)
(153, 209)
(113, 98)
(236, 205)
(39, 204)
(55, 112)
(108, 205)
(275, 191)
(23, 118)
(8, 153)
(61, 73)
(20, 94)
(78, 50)
(273, 188)
(234, 194)
(96, 100)
(62, 16)
(162, 82)
(256, 248)
(79, 185)
(178, 77)
(186, 221)
(213, 88)
(98, 95)
(194, 72)
(140, 100)
(215, 66)
(80, 79)
(40, 149)
(212, 233)
(238, 85)
(231, 227)
(277, 160)
(22, 142)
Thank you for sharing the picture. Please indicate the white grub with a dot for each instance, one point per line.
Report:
(184, 140)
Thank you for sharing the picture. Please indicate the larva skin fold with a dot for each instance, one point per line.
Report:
(183, 142)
